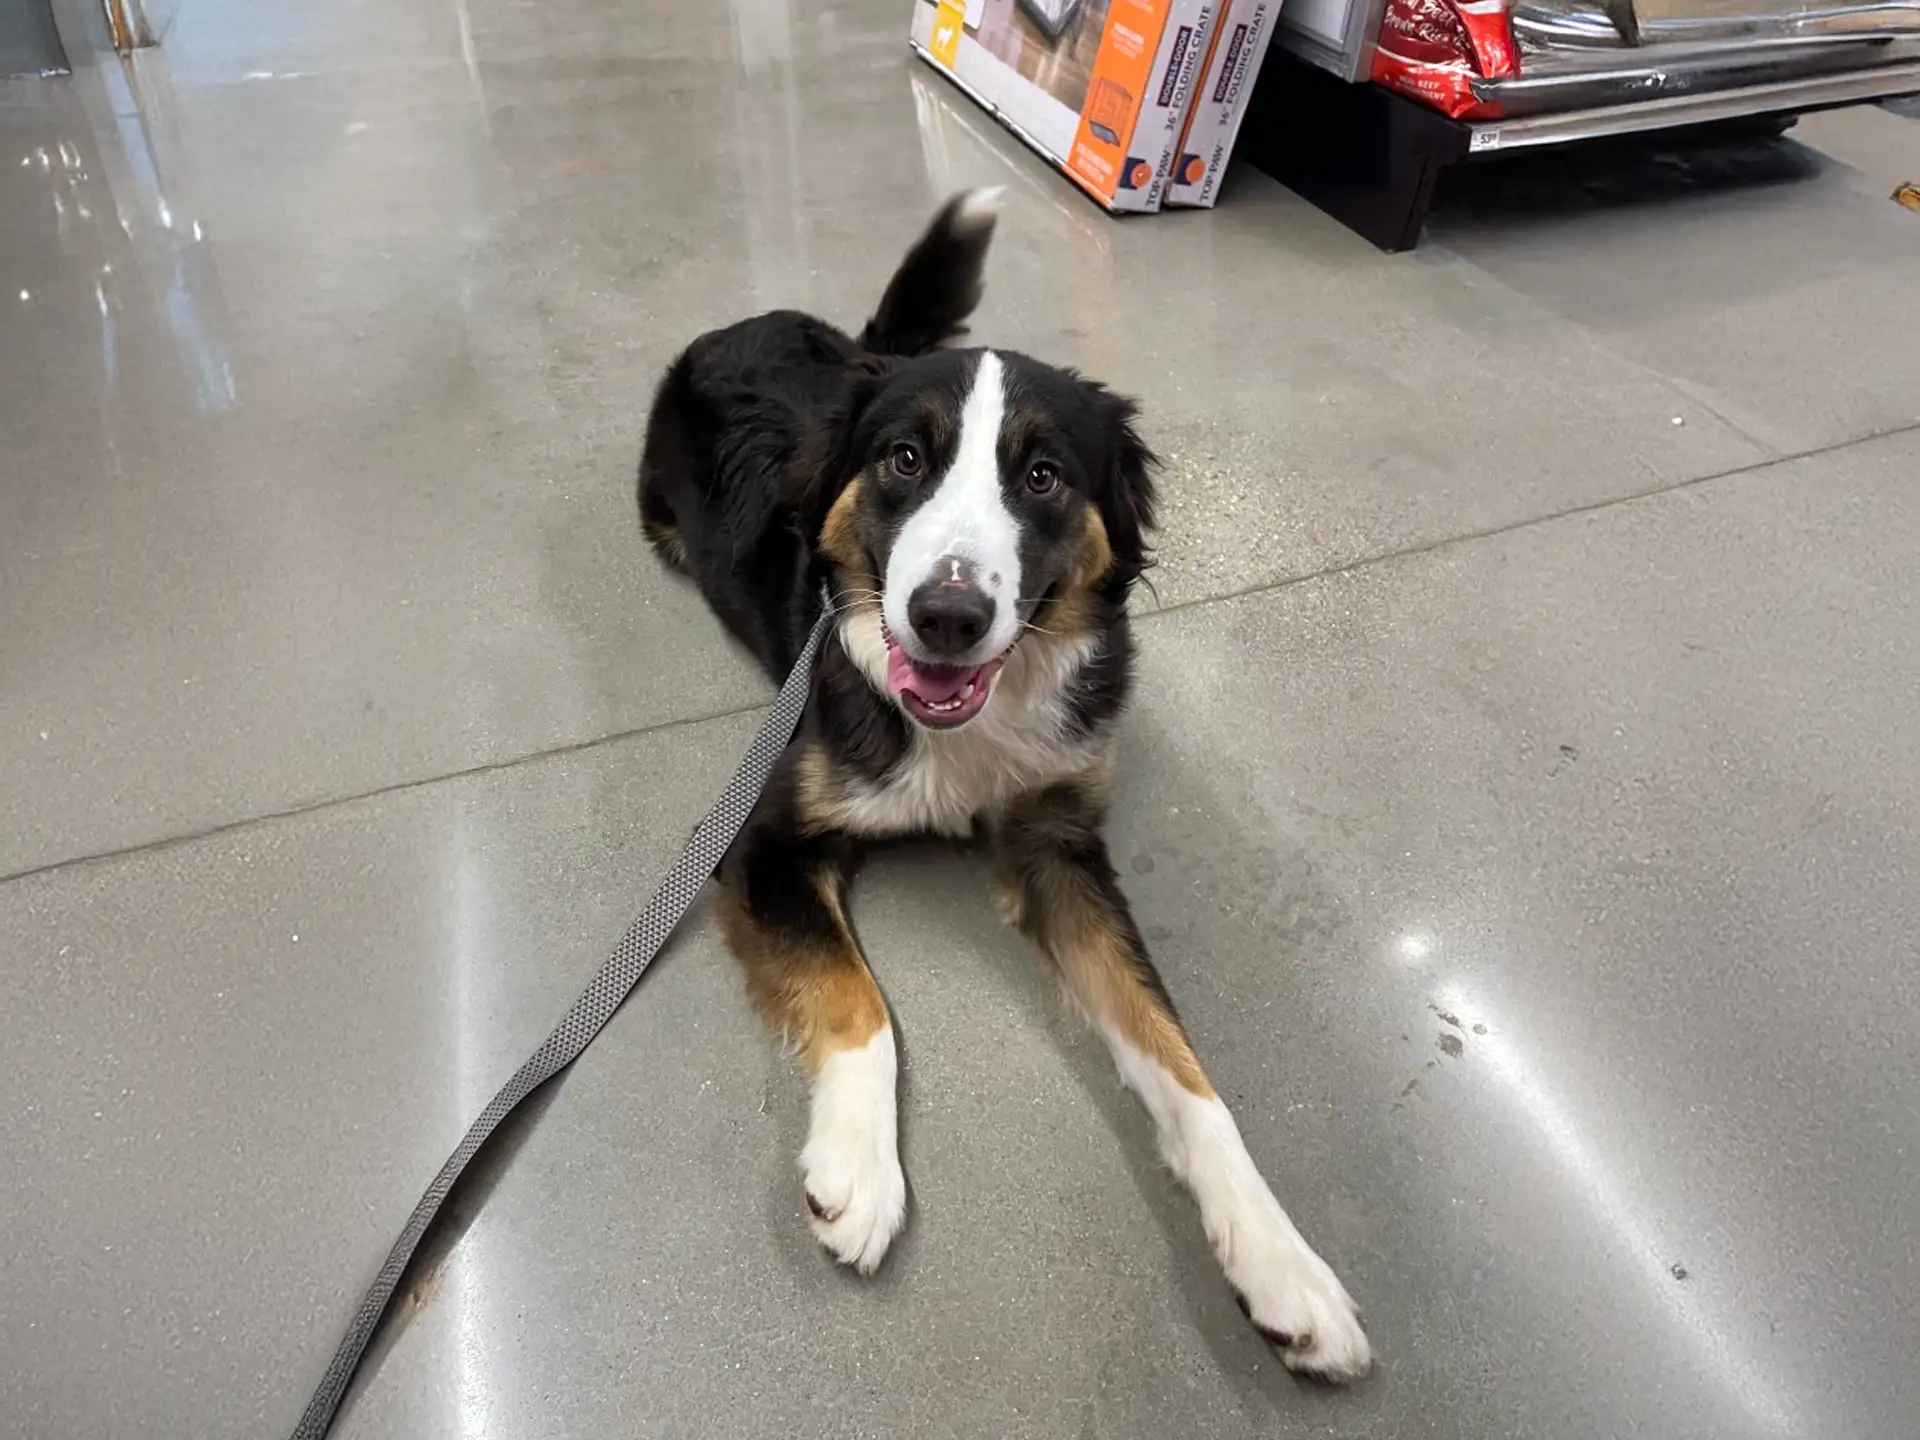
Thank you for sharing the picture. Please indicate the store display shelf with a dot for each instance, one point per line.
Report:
(1372, 158)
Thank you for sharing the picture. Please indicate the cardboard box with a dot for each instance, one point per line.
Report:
(1098, 87)
(1220, 101)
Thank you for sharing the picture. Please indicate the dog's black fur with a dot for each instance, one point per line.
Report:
(757, 428)
(752, 421)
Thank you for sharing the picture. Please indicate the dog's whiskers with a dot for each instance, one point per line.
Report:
(848, 601)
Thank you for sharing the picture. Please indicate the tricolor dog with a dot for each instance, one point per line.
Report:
(976, 519)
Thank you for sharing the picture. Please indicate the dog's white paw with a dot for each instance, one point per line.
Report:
(1287, 1291)
(858, 1197)
(851, 1163)
(1292, 1297)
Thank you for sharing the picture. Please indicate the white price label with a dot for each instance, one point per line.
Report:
(1483, 140)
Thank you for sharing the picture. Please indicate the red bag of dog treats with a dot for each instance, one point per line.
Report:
(1433, 49)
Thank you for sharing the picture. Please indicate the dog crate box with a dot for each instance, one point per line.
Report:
(1219, 101)
(1100, 88)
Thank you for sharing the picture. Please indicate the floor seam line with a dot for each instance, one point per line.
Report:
(377, 792)
(1268, 587)
(1467, 537)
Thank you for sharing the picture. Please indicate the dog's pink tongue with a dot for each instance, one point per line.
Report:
(932, 683)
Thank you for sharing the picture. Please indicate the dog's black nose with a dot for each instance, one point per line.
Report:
(948, 619)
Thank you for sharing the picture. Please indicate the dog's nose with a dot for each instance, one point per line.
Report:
(948, 619)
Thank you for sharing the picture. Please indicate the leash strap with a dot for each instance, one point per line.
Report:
(589, 1015)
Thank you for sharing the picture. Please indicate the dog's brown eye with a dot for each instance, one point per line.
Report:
(1043, 478)
(905, 460)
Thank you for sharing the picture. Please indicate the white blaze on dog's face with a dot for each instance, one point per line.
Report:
(951, 591)
(961, 538)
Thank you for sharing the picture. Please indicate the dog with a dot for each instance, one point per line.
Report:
(976, 520)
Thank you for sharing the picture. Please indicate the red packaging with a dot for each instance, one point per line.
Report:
(1433, 49)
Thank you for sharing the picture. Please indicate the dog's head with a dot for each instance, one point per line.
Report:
(983, 495)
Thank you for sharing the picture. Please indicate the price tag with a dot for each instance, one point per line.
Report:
(1484, 138)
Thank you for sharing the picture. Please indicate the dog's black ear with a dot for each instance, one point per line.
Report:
(1126, 495)
(832, 451)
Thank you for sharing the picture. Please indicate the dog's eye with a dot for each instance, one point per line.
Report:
(1043, 478)
(905, 460)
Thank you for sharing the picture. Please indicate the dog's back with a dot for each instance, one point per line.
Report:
(735, 408)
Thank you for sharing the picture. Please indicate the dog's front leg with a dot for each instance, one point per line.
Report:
(1062, 892)
(782, 908)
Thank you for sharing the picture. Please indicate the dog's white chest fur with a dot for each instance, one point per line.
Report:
(1018, 743)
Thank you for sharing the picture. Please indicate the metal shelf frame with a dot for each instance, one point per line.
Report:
(1371, 158)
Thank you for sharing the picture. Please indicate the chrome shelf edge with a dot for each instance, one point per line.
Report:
(1849, 86)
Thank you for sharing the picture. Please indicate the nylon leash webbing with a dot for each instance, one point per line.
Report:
(589, 1015)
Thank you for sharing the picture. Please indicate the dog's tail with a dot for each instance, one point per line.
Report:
(938, 284)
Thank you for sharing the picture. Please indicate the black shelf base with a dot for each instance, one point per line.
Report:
(1366, 156)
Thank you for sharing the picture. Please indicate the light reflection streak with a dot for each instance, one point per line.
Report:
(1620, 1212)
(109, 337)
(462, 1286)
(185, 288)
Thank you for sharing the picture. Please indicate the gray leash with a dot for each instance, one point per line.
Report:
(589, 1015)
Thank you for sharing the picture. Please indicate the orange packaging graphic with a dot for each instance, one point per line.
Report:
(1109, 109)
(1098, 87)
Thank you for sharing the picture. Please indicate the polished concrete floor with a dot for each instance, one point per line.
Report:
(1524, 802)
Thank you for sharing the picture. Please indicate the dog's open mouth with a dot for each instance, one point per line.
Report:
(938, 696)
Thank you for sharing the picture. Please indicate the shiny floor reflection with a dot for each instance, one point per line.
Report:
(1521, 801)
